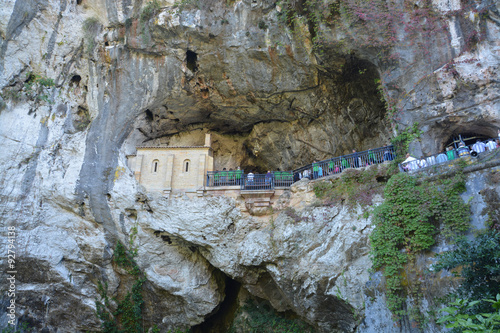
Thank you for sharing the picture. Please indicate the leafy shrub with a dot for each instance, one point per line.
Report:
(458, 316)
(37, 87)
(478, 263)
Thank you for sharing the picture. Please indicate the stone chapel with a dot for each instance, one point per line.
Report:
(173, 169)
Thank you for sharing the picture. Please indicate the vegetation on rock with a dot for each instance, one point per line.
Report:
(477, 264)
(127, 315)
(406, 224)
(354, 187)
(90, 27)
(255, 318)
(22, 328)
(37, 87)
(146, 14)
(402, 141)
(461, 317)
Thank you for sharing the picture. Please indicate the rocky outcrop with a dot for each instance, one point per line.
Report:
(83, 82)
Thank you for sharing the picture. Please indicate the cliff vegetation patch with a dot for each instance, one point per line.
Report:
(354, 187)
(123, 315)
(477, 263)
(254, 317)
(90, 27)
(406, 224)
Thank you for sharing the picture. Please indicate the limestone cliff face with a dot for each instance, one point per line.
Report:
(123, 75)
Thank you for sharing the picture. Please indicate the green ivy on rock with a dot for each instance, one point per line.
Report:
(127, 317)
(407, 223)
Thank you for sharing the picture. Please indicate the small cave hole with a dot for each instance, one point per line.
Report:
(149, 115)
(75, 80)
(166, 239)
(204, 92)
(221, 319)
(382, 179)
(106, 43)
(79, 2)
(191, 61)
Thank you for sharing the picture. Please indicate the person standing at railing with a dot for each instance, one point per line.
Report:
(216, 178)
(410, 163)
(463, 150)
(422, 163)
(344, 164)
(297, 176)
(388, 155)
(479, 147)
(230, 176)
(491, 145)
(315, 166)
(238, 175)
(371, 157)
(269, 178)
(250, 177)
(278, 176)
(223, 176)
(450, 153)
(355, 158)
(330, 167)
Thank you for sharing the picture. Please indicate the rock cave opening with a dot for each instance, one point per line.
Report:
(343, 113)
(191, 61)
(222, 318)
(79, 2)
(75, 80)
(149, 115)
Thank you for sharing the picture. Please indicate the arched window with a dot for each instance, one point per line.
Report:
(186, 165)
(155, 166)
